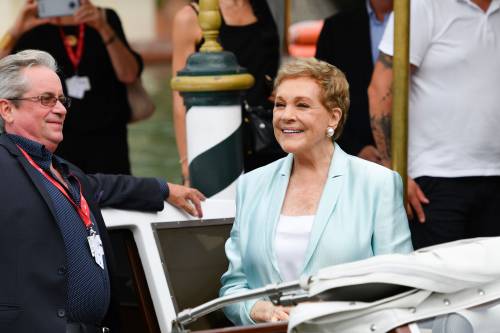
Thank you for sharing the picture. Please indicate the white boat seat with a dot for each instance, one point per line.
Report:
(445, 287)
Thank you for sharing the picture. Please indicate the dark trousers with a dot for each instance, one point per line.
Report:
(459, 208)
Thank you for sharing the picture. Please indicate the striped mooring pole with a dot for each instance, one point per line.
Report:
(211, 85)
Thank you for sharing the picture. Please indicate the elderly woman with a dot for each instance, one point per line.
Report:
(314, 208)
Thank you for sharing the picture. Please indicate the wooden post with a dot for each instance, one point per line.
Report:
(399, 135)
(286, 22)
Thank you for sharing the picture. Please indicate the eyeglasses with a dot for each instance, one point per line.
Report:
(46, 100)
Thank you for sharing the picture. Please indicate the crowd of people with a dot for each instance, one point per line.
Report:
(324, 193)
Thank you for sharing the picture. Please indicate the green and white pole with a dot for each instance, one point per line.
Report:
(212, 84)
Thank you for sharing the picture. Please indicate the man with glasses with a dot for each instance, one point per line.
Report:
(55, 263)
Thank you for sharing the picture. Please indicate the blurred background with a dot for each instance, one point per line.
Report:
(147, 24)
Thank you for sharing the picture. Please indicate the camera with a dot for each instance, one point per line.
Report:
(55, 8)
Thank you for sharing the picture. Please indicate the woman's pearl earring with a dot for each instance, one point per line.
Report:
(330, 131)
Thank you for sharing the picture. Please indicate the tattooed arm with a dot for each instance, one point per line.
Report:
(380, 101)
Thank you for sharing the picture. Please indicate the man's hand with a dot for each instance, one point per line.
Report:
(265, 311)
(188, 199)
(416, 198)
(370, 153)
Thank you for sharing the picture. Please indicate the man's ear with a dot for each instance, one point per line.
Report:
(6, 111)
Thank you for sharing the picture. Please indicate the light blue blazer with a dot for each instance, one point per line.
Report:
(360, 214)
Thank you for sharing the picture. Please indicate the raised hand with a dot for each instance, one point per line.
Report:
(91, 15)
(27, 19)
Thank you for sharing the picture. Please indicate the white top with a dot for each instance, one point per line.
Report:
(454, 117)
(292, 239)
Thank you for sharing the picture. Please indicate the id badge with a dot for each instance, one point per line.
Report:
(96, 249)
(77, 86)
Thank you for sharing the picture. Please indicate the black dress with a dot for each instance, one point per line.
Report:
(95, 130)
(256, 47)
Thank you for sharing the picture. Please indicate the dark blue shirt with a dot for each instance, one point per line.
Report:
(377, 29)
(88, 284)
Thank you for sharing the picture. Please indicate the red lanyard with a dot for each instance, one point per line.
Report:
(73, 56)
(82, 210)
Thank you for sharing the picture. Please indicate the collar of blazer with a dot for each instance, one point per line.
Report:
(28, 168)
(338, 165)
(9, 145)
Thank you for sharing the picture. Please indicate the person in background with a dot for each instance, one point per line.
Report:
(355, 54)
(314, 208)
(453, 156)
(96, 64)
(248, 30)
(55, 255)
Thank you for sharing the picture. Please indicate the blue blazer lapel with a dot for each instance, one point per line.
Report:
(328, 201)
(276, 198)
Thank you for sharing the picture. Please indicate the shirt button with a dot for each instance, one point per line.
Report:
(61, 270)
(61, 313)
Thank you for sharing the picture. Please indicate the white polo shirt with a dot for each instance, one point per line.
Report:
(454, 117)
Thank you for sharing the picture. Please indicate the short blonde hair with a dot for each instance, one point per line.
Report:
(332, 82)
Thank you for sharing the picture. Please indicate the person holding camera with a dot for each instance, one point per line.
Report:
(96, 64)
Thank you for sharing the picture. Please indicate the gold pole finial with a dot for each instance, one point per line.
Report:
(210, 22)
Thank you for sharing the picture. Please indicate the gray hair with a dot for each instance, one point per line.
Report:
(13, 83)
